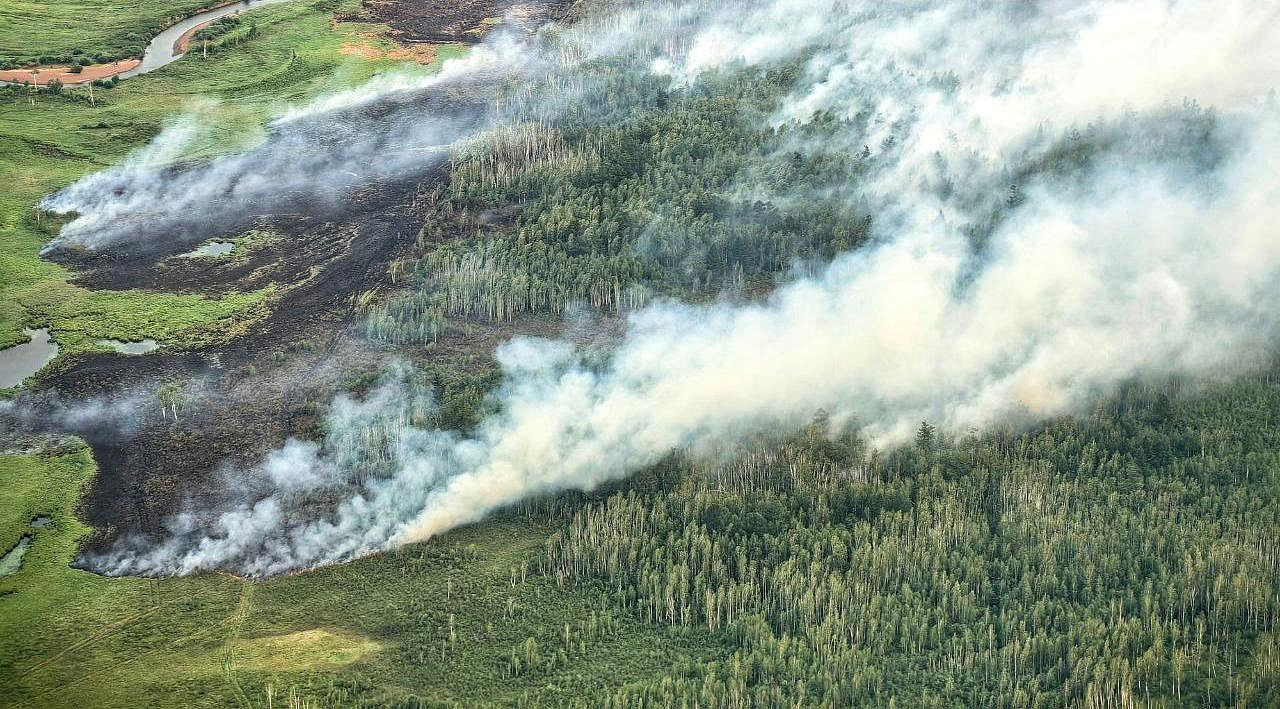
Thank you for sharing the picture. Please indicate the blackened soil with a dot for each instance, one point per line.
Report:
(243, 398)
(440, 21)
(287, 252)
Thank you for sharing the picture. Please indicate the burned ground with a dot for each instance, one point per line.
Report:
(322, 166)
(464, 21)
(244, 397)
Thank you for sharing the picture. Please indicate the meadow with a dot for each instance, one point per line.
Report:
(50, 140)
(431, 624)
(84, 31)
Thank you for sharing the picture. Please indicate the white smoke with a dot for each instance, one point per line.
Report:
(1148, 259)
(397, 125)
(502, 56)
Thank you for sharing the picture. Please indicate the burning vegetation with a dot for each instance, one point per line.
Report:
(917, 355)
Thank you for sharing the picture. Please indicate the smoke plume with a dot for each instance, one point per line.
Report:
(397, 126)
(1005, 281)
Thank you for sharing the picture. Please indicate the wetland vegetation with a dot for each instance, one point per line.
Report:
(1124, 554)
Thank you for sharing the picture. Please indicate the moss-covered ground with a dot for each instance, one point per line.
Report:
(433, 623)
(47, 141)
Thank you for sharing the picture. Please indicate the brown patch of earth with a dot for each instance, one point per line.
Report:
(42, 76)
(353, 49)
(181, 45)
(444, 21)
(420, 53)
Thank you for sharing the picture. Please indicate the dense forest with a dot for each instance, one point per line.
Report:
(637, 191)
(1123, 551)
(1126, 557)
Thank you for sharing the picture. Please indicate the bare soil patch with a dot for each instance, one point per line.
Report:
(42, 76)
(443, 21)
(420, 53)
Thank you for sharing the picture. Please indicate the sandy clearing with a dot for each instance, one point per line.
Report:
(420, 53)
(43, 75)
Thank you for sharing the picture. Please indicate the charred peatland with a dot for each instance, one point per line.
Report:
(465, 21)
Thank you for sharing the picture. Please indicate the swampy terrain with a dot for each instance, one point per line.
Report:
(307, 357)
(265, 332)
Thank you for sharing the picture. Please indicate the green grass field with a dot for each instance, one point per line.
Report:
(53, 31)
(436, 621)
(48, 141)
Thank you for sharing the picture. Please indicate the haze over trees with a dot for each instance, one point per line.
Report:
(574, 520)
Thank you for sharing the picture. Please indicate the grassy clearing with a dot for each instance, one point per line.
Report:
(436, 621)
(440, 621)
(50, 31)
(48, 141)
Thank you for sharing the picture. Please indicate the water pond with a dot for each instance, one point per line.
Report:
(21, 361)
(211, 249)
(131, 348)
(12, 561)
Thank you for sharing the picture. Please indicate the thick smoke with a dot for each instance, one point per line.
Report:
(46, 412)
(397, 126)
(1154, 251)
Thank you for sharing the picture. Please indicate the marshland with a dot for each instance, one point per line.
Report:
(632, 353)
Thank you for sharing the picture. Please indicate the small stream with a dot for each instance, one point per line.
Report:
(21, 361)
(162, 49)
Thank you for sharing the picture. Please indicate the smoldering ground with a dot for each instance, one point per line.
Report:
(397, 127)
(47, 412)
(1055, 214)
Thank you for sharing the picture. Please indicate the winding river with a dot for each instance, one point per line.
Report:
(163, 48)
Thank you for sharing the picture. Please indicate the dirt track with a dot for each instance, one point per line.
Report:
(44, 75)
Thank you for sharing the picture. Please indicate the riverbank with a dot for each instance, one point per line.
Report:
(67, 75)
(52, 140)
(167, 46)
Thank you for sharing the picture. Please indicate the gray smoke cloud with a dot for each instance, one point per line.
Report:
(1156, 254)
(47, 412)
(396, 126)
